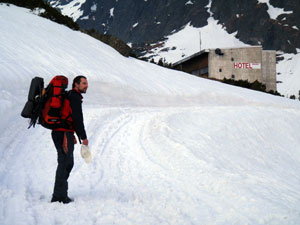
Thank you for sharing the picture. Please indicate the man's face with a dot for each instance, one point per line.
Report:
(82, 86)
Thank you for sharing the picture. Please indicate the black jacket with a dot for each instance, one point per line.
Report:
(75, 99)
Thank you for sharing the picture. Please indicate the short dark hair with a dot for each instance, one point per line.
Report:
(77, 80)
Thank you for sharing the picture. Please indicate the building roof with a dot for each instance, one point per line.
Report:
(190, 57)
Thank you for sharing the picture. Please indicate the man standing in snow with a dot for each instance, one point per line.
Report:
(64, 141)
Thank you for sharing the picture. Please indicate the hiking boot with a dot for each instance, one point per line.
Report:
(65, 200)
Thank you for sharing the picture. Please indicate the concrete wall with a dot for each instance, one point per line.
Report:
(269, 69)
(236, 63)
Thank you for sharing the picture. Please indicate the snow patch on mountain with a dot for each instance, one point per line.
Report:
(94, 8)
(72, 9)
(274, 12)
(190, 40)
(111, 12)
(189, 3)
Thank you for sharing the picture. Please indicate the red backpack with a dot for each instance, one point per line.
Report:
(56, 111)
(51, 105)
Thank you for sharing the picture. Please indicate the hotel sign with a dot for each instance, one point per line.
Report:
(253, 66)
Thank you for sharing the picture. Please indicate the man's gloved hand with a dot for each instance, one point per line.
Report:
(85, 142)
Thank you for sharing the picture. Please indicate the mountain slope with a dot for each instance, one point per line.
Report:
(271, 23)
(168, 148)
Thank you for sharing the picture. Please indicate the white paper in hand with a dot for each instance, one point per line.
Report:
(86, 153)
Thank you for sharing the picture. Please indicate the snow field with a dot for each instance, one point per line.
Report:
(148, 161)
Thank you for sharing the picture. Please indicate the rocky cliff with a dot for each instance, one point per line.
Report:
(274, 24)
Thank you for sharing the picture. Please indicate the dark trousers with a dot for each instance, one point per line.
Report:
(65, 163)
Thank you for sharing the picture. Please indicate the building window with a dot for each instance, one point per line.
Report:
(232, 59)
(220, 70)
(200, 71)
(204, 70)
(232, 76)
(195, 72)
